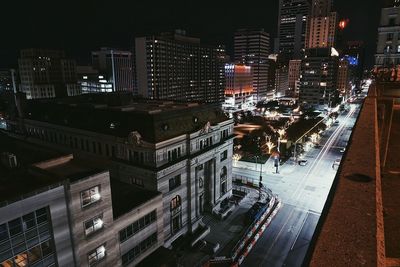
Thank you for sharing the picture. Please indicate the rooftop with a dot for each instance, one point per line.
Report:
(119, 114)
(126, 197)
(38, 168)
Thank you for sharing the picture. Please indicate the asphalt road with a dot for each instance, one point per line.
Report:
(303, 191)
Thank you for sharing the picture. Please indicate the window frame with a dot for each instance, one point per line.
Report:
(92, 220)
(83, 205)
(96, 253)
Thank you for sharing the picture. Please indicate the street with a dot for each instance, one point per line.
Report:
(303, 191)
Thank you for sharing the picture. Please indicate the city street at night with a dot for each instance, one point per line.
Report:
(303, 191)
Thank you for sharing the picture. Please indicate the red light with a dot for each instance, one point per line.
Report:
(343, 23)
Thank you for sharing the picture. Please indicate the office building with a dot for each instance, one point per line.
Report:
(281, 81)
(69, 213)
(179, 149)
(178, 67)
(318, 82)
(117, 65)
(355, 55)
(239, 87)
(343, 78)
(321, 8)
(292, 22)
(294, 77)
(5, 80)
(47, 73)
(321, 31)
(251, 47)
(321, 25)
(92, 81)
(387, 57)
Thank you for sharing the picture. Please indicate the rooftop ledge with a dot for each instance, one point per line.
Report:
(351, 229)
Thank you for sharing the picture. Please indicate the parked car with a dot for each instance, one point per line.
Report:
(342, 150)
(303, 162)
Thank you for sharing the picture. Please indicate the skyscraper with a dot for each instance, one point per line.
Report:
(343, 78)
(251, 47)
(175, 66)
(321, 8)
(294, 77)
(116, 64)
(321, 25)
(47, 73)
(318, 82)
(355, 55)
(292, 21)
(5, 80)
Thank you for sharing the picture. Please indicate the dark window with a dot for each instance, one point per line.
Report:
(174, 182)
(224, 155)
(137, 226)
(144, 245)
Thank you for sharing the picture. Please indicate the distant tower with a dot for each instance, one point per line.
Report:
(116, 64)
(321, 25)
(251, 47)
(178, 67)
(292, 22)
(47, 73)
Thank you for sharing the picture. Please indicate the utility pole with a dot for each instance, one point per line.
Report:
(113, 69)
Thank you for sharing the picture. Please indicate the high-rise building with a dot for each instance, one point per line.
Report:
(238, 86)
(251, 47)
(321, 8)
(294, 77)
(92, 81)
(5, 80)
(177, 67)
(321, 31)
(355, 55)
(318, 82)
(117, 65)
(292, 22)
(388, 47)
(281, 81)
(321, 25)
(47, 73)
(343, 78)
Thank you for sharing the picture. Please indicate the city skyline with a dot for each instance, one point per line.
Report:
(83, 27)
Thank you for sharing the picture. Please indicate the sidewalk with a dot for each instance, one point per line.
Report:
(224, 234)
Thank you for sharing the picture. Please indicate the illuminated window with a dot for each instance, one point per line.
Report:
(90, 196)
(94, 225)
(96, 255)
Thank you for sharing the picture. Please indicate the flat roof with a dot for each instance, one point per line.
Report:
(37, 168)
(119, 114)
(126, 197)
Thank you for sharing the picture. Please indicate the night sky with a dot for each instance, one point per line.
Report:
(82, 26)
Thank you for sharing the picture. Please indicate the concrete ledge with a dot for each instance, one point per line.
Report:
(350, 231)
